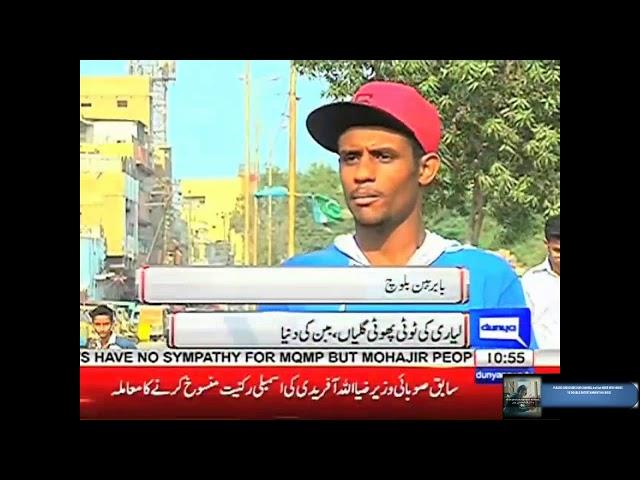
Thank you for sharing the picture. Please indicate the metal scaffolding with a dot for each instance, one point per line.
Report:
(161, 73)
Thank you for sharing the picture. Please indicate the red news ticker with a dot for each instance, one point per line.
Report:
(310, 392)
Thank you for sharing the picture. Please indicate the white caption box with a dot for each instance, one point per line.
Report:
(504, 358)
(318, 330)
(248, 285)
(546, 358)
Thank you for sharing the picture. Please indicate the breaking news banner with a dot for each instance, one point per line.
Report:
(209, 284)
(293, 383)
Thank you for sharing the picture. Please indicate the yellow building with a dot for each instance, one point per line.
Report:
(126, 98)
(118, 172)
(116, 98)
(207, 208)
(108, 199)
(128, 150)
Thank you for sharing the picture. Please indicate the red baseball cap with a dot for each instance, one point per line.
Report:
(391, 105)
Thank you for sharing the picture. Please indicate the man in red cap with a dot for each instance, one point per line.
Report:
(387, 141)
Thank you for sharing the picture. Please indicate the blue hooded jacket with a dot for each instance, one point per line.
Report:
(492, 281)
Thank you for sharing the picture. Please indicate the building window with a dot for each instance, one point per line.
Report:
(196, 199)
(123, 103)
(85, 104)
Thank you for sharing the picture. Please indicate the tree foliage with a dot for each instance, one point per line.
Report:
(501, 133)
(311, 236)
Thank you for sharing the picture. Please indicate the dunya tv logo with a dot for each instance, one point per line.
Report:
(500, 328)
(495, 328)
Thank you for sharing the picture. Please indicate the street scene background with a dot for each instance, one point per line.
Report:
(193, 163)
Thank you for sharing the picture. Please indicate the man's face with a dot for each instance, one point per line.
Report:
(380, 177)
(102, 324)
(553, 250)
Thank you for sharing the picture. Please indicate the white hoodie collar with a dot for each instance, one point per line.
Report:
(433, 246)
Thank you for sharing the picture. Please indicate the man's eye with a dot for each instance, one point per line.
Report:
(349, 158)
(384, 156)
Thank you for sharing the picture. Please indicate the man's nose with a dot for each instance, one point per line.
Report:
(365, 169)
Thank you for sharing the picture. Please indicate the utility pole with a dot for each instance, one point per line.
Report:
(247, 159)
(270, 214)
(292, 162)
(192, 241)
(167, 220)
(255, 199)
(189, 234)
(270, 198)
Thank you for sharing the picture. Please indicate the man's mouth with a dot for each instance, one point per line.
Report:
(364, 199)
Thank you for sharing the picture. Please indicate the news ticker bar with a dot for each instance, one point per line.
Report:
(301, 391)
(439, 358)
(319, 330)
(267, 392)
(322, 285)
(487, 328)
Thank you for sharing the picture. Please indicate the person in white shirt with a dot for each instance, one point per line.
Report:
(542, 290)
(103, 320)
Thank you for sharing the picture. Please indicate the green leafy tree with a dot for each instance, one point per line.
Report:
(501, 133)
(310, 236)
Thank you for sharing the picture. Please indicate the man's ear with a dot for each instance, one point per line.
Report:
(428, 168)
